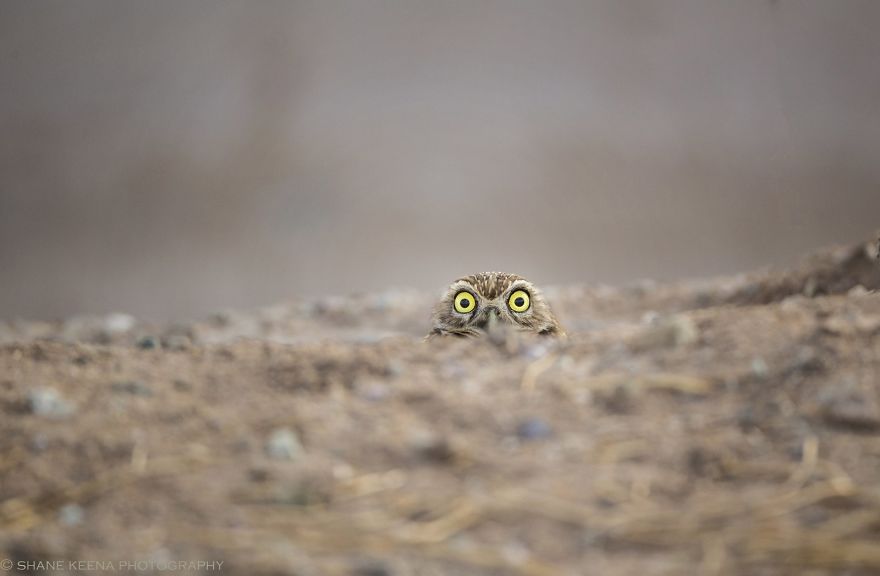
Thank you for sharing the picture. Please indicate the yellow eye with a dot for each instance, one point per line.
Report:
(519, 301)
(465, 302)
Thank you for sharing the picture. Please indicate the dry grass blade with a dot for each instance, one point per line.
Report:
(681, 383)
(534, 370)
(19, 514)
(462, 516)
(334, 531)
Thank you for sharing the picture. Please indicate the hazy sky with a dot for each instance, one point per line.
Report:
(173, 158)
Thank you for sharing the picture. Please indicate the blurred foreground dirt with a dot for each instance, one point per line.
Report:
(727, 426)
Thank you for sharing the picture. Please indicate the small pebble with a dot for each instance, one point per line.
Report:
(284, 444)
(133, 387)
(149, 343)
(372, 569)
(533, 429)
(71, 515)
(49, 403)
(432, 447)
(759, 367)
(258, 474)
(849, 409)
(182, 386)
(807, 361)
(177, 342)
(118, 323)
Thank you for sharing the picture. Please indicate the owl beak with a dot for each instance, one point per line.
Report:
(490, 321)
(495, 328)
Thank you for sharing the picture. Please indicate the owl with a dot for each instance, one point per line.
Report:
(475, 305)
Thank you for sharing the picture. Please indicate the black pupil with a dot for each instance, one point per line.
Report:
(465, 302)
(519, 301)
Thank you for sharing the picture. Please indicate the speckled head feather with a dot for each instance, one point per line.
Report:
(474, 304)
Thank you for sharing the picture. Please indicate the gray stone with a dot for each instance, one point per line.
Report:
(71, 515)
(133, 387)
(177, 342)
(48, 402)
(149, 343)
(284, 444)
(533, 429)
(849, 408)
(118, 323)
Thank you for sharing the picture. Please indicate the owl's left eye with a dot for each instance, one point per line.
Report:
(519, 301)
(465, 302)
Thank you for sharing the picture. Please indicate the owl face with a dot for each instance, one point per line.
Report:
(474, 304)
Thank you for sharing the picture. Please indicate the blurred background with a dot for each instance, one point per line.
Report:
(170, 158)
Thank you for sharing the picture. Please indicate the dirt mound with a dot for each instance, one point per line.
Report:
(833, 271)
(728, 426)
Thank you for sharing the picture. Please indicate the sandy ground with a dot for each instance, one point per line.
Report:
(727, 426)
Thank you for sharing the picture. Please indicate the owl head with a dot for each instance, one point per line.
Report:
(473, 305)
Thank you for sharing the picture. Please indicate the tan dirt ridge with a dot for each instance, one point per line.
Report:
(726, 426)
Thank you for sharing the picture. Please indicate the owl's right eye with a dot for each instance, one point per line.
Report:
(465, 302)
